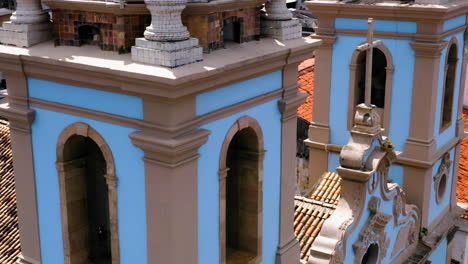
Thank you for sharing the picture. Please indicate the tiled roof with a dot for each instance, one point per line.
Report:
(306, 79)
(9, 233)
(310, 213)
(462, 187)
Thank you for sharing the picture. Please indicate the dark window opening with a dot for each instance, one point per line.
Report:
(232, 30)
(449, 86)
(372, 255)
(242, 198)
(87, 202)
(89, 35)
(379, 77)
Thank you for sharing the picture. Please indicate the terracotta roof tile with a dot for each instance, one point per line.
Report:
(306, 79)
(310, 213)
(9, 233)
(462, 187)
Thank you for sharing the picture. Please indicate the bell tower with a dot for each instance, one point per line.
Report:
(417, 87)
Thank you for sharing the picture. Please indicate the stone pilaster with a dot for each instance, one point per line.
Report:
(21, 117)
(171, 169)
(167, 41)
(421, 144)
(29, 25)
(278, 22)
(288, 248)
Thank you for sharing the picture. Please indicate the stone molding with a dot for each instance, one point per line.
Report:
(389, 12)
(98, 6)
(82, 129)
(428, 49)
(146, 85)
(170, 152)
(143, 125)
(288, 105)
(166, 20)
(20, 118)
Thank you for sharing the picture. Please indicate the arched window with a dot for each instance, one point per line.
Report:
(449, 87)
(241, 194)
(88, 197)
(382, 76)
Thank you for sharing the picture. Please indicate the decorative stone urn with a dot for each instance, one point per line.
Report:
(29, 25)
(166, 41)
(278, 22)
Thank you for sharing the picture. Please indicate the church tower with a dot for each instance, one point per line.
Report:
(156, 132)
(417, 86)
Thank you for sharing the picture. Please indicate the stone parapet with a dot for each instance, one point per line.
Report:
(25, 35)
(169, 54)
(282, 29)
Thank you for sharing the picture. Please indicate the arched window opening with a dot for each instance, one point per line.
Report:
(449, 87)
(379, 77)
(86, 194)
(372, 255)
(243, 198)
(89, 35)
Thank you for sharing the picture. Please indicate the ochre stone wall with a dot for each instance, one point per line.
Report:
(208, 28)
(118, 32)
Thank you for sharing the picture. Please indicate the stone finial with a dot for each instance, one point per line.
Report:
(166, 22)
(278, 22)
(277, 10)
(166, 41)
(29, 25)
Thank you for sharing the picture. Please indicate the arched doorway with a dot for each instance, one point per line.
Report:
(241, 193)
(372, 255)
(88, 197)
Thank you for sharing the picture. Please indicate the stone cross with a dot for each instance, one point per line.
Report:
(369, 47)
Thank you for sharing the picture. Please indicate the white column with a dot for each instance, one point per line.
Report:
(166, 41)
(29, 25)
(29, 12)
(279, 23)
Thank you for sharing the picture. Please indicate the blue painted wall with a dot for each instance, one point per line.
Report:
(112, 103)
(403, 58)
(333, 161)
(440, 254)
(269, 118)
(445, 136)
(236, 93)
(379, 25)
(46, 129)
(454, 23)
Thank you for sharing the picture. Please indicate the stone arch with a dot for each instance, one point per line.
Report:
(450, 73)
(354, 81)
(244, 132)
(66, 162)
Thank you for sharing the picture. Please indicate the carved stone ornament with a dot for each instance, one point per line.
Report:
(374, 204)
(338, 256)
(366, 119)
(441, 178)
(373, 233)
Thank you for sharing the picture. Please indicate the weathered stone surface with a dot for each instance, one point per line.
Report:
(24, 35)
(169, 54)
(282, 29)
